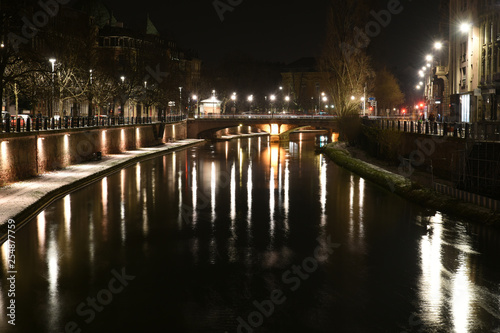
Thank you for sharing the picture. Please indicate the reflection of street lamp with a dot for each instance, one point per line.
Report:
(52, 61)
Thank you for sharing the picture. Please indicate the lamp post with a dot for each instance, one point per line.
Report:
(123, 101)
(233, 98)
(325, 99)
(250, 100)
(180, 100)
(195, 98)
(319, 101)
(52, 61)
(272, 98)
(91, 96)
(287, 100)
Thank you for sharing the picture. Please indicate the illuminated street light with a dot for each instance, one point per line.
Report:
(465, 27)
(353, 98)
(272, 98)
(52, 61)
(195, 98)
(438, 45)
(428, 57)
(233, 98)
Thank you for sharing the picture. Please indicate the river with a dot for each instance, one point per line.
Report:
(248, 236)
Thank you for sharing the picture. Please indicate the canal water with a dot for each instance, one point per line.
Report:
(248, 236)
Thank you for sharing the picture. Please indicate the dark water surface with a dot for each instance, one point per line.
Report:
(246, 236)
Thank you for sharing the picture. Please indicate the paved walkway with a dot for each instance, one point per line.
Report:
(18, 198)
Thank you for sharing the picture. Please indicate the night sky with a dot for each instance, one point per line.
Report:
(281, 31)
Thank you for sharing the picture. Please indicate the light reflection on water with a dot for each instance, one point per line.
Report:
(232, 217)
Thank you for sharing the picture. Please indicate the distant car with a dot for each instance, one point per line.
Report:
(23, 117)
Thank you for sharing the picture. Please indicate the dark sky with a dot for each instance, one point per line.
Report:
(281, 31)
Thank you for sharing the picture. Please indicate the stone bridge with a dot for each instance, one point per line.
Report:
(279, 127)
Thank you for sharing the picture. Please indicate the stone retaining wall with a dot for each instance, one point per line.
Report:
(25, 155)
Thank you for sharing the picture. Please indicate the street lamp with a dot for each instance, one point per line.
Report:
(438, 45)
(465, 27)
(233, 98)
(287, 100)
(52, 61)
(272, 98)
(180, 100)
(250, 100)
(195, 98)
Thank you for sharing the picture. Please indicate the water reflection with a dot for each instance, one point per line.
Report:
(446, 276)
(209, 230)
(430, 285)
(40, 225)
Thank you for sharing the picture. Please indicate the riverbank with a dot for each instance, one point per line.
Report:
(416, 190)
(23, 200)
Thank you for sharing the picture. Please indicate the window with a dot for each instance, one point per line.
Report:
(463, 51)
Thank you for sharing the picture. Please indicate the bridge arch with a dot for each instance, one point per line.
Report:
(282, 126)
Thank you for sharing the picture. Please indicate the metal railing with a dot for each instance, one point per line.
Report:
(477, 131)
(22, 125)
(265, 116)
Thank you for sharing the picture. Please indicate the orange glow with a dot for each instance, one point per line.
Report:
(335, 137)
(4, 152)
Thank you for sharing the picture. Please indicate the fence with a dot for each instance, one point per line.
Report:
(477, 131)
(19, 125)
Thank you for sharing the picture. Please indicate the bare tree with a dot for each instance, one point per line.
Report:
(346, 70)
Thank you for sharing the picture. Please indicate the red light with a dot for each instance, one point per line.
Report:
(404, 111)
(421, 105)
(371, 108)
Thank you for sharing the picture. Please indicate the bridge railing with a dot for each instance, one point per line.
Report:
(21, 125)
(264, 116)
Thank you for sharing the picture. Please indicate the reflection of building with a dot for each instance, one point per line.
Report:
(304, 84)
(437, 88)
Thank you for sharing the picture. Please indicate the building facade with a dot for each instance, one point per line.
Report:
(474, 72)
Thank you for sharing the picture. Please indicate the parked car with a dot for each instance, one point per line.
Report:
(23, 117)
